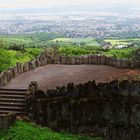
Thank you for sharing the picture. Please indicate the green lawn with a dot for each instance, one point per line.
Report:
(77, 41)
(74, 40)
(115, 42)
(26, 131)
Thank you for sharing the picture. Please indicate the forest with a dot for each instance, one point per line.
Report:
(22, 48)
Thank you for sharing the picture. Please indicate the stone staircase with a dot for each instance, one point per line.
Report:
(13, 101)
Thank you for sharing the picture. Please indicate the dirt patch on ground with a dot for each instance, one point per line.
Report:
(51, 76)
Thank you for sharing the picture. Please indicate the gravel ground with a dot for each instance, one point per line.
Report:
(51, 76)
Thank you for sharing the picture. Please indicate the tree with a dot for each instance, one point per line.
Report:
(2, 44)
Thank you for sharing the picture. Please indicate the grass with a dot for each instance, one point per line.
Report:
(26, 131)
(77, 41)
(73, 40)
(35, 43)
(115, 42)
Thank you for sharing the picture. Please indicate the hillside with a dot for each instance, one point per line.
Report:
(22, 48)
(26, 131)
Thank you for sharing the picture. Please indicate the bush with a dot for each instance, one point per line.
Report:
(9, 58)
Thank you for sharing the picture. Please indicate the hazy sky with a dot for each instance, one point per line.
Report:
(17, 4)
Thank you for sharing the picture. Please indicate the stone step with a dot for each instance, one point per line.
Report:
(12, 96)
(18, 90)
(12, 100)
(13, 92)
(12, 103)
(14, 108)
(12, 111)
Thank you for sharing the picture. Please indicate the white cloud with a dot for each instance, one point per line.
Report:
(11, 4)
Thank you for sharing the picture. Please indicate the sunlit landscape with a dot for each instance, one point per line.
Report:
(69, 70)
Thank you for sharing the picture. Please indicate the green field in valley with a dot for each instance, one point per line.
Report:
(115, 42)
(22, 48)
(77, 41)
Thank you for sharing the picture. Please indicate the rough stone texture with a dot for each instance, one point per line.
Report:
(46, 58)
(111, 110)
(6, 120)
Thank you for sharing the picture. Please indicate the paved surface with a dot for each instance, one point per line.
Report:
(51, 76)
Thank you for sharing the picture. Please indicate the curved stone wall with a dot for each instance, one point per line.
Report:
(110, 110)
(44, 59)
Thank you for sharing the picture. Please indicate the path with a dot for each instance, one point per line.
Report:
(51, 76)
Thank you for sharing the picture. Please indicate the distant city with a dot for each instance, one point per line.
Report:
(97, 23)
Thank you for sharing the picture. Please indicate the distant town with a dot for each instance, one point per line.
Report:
(72, 26)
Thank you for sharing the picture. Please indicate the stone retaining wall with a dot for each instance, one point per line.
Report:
(44, 59)
(6, 120)
(111, 110)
